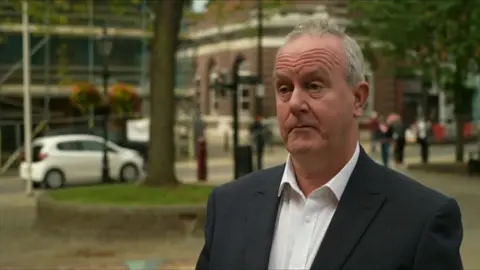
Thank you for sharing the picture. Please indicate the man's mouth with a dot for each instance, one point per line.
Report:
(302, 127)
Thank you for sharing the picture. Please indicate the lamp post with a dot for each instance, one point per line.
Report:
(259, 96)
(242, 155)
(105, 48)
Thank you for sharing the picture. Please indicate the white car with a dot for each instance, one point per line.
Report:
(61, 159)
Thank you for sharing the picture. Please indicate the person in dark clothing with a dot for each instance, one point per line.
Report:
(422, 129)
(399, 136)
(386, 140)
(258, 134)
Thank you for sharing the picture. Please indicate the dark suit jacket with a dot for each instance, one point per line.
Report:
(384, 221)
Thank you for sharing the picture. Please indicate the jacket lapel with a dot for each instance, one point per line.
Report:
(357, 208)
(260, 220)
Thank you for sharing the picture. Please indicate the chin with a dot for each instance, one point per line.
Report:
(301, 147)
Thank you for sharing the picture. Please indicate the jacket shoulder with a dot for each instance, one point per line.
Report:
(403, 189)
(247, 184)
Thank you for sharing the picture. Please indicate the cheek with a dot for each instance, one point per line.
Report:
(283, 112)
(327, 107)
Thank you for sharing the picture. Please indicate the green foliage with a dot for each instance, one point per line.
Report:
(432, 36)
(135, 195)
(222, 11)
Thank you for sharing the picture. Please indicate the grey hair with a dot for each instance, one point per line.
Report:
(356, 67)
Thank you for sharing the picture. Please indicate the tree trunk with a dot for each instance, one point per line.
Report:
(161, 169)
(460, 140)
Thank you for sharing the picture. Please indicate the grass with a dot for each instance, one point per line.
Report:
(135, 195)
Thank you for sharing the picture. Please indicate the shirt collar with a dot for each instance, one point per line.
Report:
(337, 184)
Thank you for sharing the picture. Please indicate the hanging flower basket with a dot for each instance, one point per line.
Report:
(124, 99)
(85, 96)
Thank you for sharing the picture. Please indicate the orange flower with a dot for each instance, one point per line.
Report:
(124, 98)
(85, 95)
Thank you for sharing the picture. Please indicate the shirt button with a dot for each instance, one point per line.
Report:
(308, 219)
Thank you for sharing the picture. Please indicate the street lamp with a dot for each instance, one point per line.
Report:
(105, 43)
(241, 154)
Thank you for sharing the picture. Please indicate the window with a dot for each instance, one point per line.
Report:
(94, 146)
(244, 98)
(69, 146)
(245, 93)
(245, 105)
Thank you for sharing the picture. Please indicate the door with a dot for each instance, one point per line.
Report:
(70, 160)
(114, 159)
(92, 150)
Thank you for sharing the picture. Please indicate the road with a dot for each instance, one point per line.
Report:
(220, 168)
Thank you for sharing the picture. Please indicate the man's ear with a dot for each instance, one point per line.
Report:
(360, 94)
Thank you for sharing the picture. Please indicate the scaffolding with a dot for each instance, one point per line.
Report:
(93, 14)
(42, 116)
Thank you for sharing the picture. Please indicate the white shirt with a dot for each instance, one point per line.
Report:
(302, 221)
(422, 129)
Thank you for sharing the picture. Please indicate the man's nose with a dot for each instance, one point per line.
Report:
(298, 100)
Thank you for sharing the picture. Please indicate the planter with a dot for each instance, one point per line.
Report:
(86, 96)
(124, 99)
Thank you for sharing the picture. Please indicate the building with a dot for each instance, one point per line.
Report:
(217, 46)
(67, 52)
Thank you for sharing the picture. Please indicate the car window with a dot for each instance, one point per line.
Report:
(90, 145)
(69, 146)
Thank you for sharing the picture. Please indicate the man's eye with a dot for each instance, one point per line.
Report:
(315, 86)
(283, 89)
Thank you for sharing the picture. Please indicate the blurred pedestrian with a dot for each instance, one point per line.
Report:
(385, 141)
(258, 133)
(422, 128)
(399, 130)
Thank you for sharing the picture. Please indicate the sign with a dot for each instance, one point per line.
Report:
(138, 130)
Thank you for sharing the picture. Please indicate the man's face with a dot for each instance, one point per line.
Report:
(316, 107)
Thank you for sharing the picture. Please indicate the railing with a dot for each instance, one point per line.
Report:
(59, 75)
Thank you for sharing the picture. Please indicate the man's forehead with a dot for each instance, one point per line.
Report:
(308, 42)
(310, 51)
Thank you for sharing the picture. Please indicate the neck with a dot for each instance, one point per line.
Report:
(314, 170)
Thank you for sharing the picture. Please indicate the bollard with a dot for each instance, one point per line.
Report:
(202, 160)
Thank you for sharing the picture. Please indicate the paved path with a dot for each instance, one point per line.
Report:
(220, 169)
(22, 247)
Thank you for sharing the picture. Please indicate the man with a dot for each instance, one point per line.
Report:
(258, 132)
(423, 127)
(330, 206)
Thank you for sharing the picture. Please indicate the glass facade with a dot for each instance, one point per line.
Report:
(74, 55)
(78, 50)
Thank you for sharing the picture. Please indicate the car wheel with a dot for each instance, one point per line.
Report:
(54, 179)
(129, 173)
